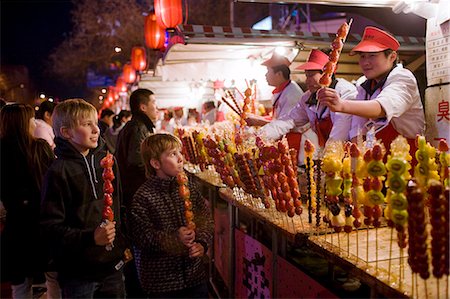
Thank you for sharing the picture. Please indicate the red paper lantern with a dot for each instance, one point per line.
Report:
(129, 74)
(154, 34)
(111, 96)
(169, 13)
(121, 85)
(138, 58)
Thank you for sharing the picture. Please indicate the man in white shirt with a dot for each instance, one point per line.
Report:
(286, 93)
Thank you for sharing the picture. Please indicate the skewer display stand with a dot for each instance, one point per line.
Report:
(260, 252)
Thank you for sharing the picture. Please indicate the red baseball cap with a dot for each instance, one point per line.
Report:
(316, 61)
(375, 40)
(276, 60)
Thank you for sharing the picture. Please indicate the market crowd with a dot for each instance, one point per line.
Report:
(130, 226)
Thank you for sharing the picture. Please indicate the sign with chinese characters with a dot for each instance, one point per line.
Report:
(438, 52)
(222, 243)
(253, 268)
(437, 113)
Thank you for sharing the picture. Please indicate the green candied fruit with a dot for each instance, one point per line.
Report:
(396, 165)
(376, 168)
(399, 217)
(421, 169)
(334, 186)
(347, 188)
(422, 156)
(397, 184)
(375, 197)
(399, 202)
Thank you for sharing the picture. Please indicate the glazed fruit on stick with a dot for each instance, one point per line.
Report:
(398, 165)
(332, 167)
(336, 45)
(183, 191)
(108, 176)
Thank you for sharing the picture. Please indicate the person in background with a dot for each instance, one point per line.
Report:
(112, 133)
(388, 99)
(105, 121)
(209, 112)
(2, 103)
(286, 93)
(178, 116)
(24, 160)
(193, 117)
(72, 208)
(166, 123)
(44, 128)
(128, 153)
(310, 112)
(168, 251)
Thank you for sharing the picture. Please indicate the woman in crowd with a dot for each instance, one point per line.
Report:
(24, 161)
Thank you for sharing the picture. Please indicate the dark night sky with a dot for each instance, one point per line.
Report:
(30, 29)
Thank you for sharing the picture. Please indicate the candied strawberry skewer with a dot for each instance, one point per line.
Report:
(108, 176)
(183, 191)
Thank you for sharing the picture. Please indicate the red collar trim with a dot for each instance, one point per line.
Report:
(280, 88)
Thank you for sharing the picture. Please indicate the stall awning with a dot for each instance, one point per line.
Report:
(216, 52)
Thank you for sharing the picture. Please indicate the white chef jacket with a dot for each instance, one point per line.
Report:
(400, 99)
(285, 100)
(303, 114)
(210, 116)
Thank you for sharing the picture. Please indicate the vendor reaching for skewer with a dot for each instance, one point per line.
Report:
(286, 92)
(324, 123)
(388, 99)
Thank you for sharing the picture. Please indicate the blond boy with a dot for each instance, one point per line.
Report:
(72, 205)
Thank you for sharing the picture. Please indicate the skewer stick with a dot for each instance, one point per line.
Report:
(390, 256)
(348, 245)
(367, 246)
(243, 97)
(437, 287)
(426, 289)
(376, 250)
(446, 288)
(357, 245)
(231, 106)
(400, 269)
(238, 107)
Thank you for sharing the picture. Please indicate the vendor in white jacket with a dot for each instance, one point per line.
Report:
(308, 111)
(389, 98)
(286, 92)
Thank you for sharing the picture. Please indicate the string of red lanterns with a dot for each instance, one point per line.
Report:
(154, 34)
(169, 13)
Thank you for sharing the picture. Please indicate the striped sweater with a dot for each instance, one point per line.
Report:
(156, 214)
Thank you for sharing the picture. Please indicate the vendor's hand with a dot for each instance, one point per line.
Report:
(329, 97)
(105, 234)
(186, 236)
(255, 120)
(196, 250)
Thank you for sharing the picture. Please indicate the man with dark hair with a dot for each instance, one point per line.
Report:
(286, 93)
(106, 120)
(132, 169)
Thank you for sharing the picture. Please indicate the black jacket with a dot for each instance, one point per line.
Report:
(128, 154)
(20, 193)
(71, 210)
